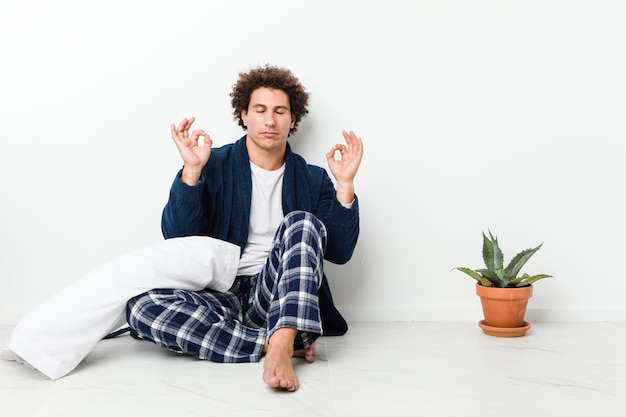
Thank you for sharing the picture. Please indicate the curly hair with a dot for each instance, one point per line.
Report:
(275, 78)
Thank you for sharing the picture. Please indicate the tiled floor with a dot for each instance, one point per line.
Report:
(377, 369)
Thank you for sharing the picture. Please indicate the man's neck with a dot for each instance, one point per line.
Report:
(269, 160)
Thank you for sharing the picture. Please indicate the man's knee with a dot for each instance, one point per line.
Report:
(308, 220)
(301, 227)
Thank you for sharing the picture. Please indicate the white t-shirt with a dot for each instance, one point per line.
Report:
(266, 213)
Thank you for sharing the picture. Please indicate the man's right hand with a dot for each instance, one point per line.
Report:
(195, 155)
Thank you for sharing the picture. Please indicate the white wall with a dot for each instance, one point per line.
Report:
(476, 115)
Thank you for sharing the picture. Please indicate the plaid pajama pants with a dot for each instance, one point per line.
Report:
(234, 326)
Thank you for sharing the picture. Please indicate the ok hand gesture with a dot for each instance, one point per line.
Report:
(345, 168)
(194, 154)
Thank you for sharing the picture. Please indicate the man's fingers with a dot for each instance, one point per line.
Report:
(355, 144)
(181, 126)
(351, 138)
(330, 156)
(207, 140)
(195, 135)
(184, 125)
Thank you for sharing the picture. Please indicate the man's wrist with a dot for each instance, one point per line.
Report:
(345, 193)
(191, 175)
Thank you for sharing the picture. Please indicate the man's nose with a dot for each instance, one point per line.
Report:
(270, 119)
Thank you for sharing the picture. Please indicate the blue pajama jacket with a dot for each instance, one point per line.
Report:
(219, 206)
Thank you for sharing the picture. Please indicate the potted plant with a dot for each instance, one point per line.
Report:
(503, 292)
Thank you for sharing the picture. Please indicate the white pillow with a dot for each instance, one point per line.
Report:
(59, 333)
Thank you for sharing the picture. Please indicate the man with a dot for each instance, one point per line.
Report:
(285, 215)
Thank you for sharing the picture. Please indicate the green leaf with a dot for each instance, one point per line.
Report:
(518, 262)
(482, 280)
(487, 274)
(528, 280)
(492, 255)
(515, 281)
(491, 276)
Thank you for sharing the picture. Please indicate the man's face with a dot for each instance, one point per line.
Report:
(268, 119)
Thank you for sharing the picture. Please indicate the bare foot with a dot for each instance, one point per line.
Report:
(309, 354)
(278, 370)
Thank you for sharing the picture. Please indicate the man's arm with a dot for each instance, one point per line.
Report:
(195, 154)
(342, 226)
(342, 223)
(182, 216)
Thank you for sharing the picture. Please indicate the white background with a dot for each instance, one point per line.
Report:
(476, 115)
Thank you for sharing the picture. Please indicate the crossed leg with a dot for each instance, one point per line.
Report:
(282, 303)
(293, 274)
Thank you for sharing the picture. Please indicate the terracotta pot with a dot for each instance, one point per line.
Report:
(504, 307)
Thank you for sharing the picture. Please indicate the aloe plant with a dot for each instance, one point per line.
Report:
(495, 274)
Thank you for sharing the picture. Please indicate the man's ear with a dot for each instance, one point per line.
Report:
(293, 121)
(244, 117)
